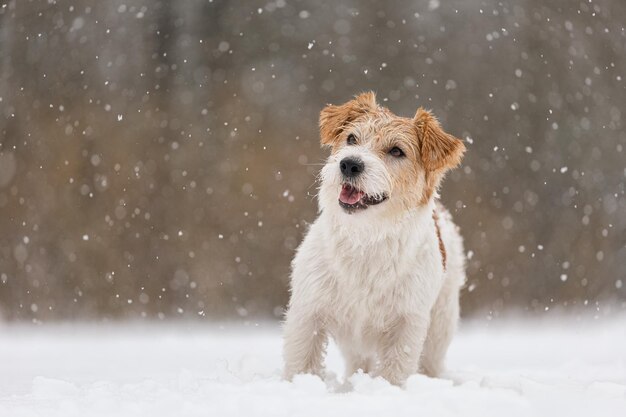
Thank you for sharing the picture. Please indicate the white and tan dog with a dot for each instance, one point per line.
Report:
(381, 268)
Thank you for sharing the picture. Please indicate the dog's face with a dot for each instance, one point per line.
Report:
(381, 163)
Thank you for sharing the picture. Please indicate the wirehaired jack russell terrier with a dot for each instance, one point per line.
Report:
(381, 268)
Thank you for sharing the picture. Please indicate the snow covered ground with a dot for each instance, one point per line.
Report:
(560, 368)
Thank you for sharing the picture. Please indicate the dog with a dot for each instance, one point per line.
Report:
(381, 268)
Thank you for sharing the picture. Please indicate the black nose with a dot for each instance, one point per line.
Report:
(351, 167)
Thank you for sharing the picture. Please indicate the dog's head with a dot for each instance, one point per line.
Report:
(382, 163)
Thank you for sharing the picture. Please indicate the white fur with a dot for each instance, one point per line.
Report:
(373, 280)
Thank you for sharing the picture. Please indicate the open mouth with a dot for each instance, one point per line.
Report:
(352, 199)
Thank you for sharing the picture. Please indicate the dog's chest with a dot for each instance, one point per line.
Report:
(373, 284)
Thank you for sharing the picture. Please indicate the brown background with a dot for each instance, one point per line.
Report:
(158, 158)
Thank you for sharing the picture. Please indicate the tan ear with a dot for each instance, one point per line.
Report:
(333, 119)
(440, 151)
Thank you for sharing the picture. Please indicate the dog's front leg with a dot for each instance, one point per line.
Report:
(401, 348)
(305, 342)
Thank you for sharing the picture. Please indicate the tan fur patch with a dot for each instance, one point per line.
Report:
(442, 246)
(440, 151)
(333, 119)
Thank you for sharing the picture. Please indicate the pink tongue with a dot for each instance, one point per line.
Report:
(350, 195)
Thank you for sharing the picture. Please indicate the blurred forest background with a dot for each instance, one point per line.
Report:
(158, 158)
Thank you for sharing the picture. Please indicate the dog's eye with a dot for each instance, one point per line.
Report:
(351, 139)
(395, 151)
